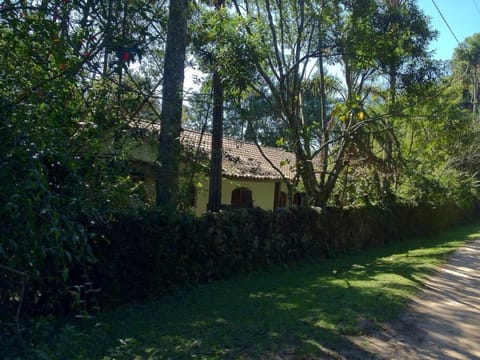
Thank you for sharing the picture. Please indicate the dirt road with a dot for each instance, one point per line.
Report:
(442, 322)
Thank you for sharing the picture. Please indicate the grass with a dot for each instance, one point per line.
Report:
(293, 312)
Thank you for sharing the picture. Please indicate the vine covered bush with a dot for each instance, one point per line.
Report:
(154, 251)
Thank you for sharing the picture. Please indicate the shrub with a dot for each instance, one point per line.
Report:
(155, 250)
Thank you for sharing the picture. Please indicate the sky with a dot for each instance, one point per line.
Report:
(463, 16)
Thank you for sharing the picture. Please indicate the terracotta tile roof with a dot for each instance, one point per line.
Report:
(240, 159)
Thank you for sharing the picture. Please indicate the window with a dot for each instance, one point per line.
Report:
(282, 199)
(191, 196)
(279, 197)
(299, 199)
(242, 198)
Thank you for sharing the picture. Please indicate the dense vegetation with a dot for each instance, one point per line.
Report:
(155, 251)
(301, 311)
(347, 85)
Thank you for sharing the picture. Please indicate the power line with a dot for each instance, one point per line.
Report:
(446, 22)
(476, 6)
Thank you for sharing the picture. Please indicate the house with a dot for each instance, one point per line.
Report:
(252, 175)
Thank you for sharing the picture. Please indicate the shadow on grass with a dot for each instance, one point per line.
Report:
(303, 312)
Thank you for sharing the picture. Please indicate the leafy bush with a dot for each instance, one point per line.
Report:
(54, 178)
(156, 250)
(44, 250)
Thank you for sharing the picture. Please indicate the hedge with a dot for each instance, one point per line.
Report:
(153, 251)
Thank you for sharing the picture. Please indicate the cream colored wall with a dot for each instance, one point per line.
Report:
(150, 193)
(202, 198)
(145, 150)
(262, 193)
(262, 190)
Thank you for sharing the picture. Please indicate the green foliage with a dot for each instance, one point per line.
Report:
(68, 94)
(465, 65)
(58, 176)
(153, 251)
(466, 58)
(43, 244)
(303, 311)
(223, 44)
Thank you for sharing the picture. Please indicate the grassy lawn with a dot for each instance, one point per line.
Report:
(282, 313)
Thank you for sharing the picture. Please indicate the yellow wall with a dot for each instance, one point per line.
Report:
(262, 193)
(262, 190)
(150, 192)
(146, 150)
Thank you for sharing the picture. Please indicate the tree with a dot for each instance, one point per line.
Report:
(401, 39)
(215, 184)
(171, 116)
(338, 33)
(436, 144)
(62, 104)
(288, 33)
(44, 243)
(466, 65)
(222, 48)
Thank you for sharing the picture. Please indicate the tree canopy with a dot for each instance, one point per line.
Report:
(348, 86)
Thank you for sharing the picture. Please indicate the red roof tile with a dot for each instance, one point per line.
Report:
(240, 159)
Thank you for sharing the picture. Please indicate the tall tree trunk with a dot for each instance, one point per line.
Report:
(215, 185)
(324, 154)
(171, 116)
(386, 190)
(108, 35)
(475, 91)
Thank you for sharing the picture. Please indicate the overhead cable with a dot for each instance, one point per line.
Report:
(446, 22)
(476, 6)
